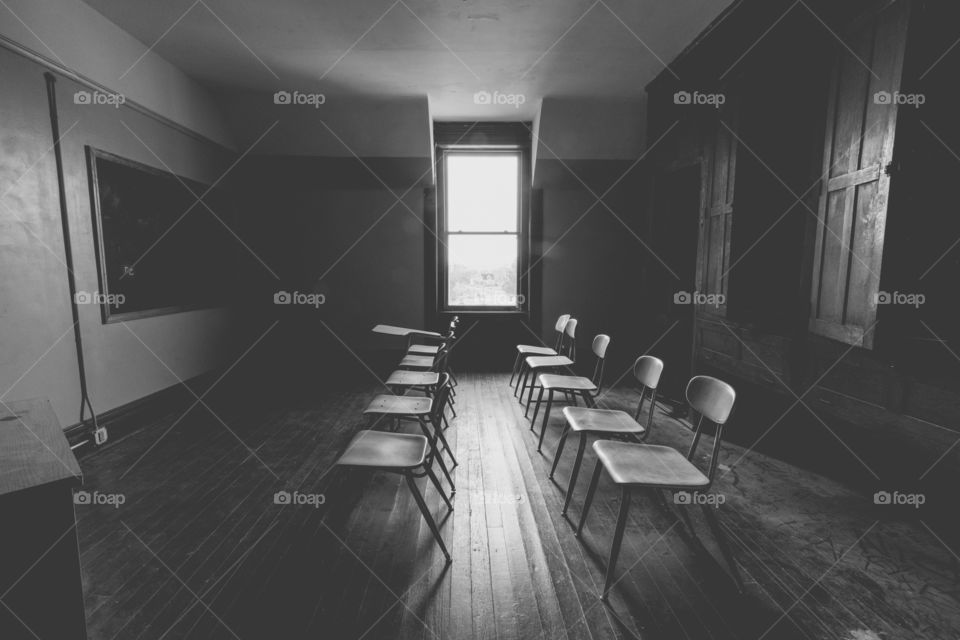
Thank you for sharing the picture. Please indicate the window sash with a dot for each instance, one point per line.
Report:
(444, 235)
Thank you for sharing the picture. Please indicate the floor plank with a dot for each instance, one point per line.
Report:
(200, 549)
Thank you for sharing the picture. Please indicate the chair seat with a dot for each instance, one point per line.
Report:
(538, 362)
(400, 405)
(531, 350)
(574, 383)
(413, 379)
(601, 420)
(385, 450)
(648, 465)
(423, 350)
(421, 362)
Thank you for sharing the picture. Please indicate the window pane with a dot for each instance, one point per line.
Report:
(482, 271)
(482, 192)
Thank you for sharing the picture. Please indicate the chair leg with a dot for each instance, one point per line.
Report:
(521, 374)
(536, 410)
(516, 366)
(533, 383)
(446, 445)
(588, 400)
(724, 545)
(575, 472)
(436, 483)
(617, 540)
(426, 515)
(446, 472)
(556, 456)
(592, 489)
(546, 417)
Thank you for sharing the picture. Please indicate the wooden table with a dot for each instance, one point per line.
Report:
(39, 555)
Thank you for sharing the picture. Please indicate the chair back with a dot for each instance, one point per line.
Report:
(647, 370)
(558, 328)
(712, 400)
(599, 346)
(440, 361)
(440, 398)
(568, 340)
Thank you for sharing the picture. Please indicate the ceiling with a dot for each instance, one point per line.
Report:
(517, 51)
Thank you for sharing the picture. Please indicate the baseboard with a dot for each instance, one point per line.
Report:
(129, 417)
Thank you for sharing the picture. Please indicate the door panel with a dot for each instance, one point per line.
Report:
(861, 122)
(718, 214)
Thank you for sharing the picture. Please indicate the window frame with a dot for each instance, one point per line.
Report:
(522, 232)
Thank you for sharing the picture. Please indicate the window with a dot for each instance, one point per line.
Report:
(481, 239)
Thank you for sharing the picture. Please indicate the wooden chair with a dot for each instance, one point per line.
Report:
(409, 455)
(424, 349)
(532, 365)
(524, 350)
(636, 466)
(449, 340)
(425, 364)
(588, 388)
(402, 382)
(423, 411)
(609, 423)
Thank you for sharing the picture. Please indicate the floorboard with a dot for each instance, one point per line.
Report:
(201, 549)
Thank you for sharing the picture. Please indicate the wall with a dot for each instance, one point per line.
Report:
(340, 127)
(38, 355)
(348, 229)
(592, 254)
(71, 34)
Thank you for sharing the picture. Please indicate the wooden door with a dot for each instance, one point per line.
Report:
(717, 221)
(860, 127)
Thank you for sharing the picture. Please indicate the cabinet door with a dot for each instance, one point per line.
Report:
(861, 122)
(717, 222)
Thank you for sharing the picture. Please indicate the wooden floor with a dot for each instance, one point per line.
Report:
(199, 549)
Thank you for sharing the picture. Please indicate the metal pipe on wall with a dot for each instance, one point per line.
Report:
(85, 403)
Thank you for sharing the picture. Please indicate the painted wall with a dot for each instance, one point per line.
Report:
(593, 227)
(349, 229)
(331, 126)
(37, 357)
(77, 37)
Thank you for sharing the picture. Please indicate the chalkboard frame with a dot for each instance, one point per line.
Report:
(108, 315)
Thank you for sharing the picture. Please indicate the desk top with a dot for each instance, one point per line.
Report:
(33, 449)
(391, 330)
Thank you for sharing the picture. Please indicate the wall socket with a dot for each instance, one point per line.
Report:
(100, 435)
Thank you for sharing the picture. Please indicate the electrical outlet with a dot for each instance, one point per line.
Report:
(100, 435)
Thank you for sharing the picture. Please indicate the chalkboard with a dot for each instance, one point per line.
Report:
(163, 245)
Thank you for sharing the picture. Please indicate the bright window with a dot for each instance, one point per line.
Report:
(481, 230)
